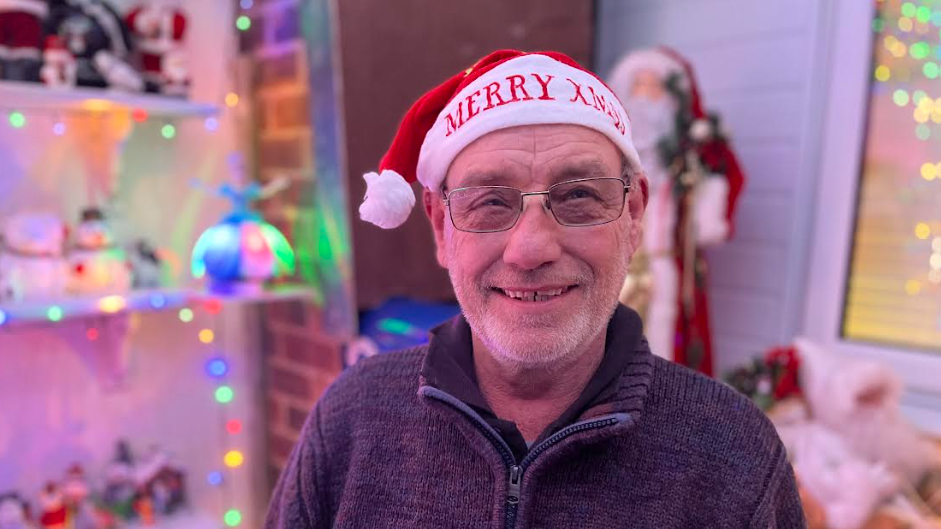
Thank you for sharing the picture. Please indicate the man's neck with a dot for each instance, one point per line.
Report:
(534, 397)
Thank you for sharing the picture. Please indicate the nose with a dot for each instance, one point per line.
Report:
(534, 240)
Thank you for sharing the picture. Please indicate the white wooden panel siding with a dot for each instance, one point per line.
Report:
(760, 65)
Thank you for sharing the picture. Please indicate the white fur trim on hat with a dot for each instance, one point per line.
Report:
(528, 90)
(389, 199)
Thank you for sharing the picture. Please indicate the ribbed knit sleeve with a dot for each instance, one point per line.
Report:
(780, 507)
(295, 503)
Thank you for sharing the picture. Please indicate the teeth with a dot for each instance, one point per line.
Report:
(535, 295)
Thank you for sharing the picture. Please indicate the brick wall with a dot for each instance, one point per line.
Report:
(300, 359)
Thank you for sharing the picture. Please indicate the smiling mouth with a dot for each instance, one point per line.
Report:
(535, 295)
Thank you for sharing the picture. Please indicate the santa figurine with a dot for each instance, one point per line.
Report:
(31, 261)
(59, 67)
(95, 34)
(96, 264)
(14, 513)
(158, 29)
(82, 514)
(54, 513)
(21, 34)
(695, 181)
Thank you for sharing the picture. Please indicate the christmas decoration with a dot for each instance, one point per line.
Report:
(159, 29)
(53, 512)
(507, 88)
(21, 34)
(60, 67)
(96, 264)
(695, 181)
(99, 40)
(242, 251)
(31, 261)
(14, 512)
(855, 456)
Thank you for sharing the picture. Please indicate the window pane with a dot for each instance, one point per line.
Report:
(893, 294)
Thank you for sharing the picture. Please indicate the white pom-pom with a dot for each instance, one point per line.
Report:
(389, 200)
(701, 130)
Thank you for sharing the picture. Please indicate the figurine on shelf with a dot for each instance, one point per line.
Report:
(242, 251)
(21, 32)
(146, 265)
(96, 264)
(59, 68)
(14, 512)
(81, 512)
(99, 40)
(120, 488)
(162, 482)
(31, 262)
(159, 29)
(53, 510)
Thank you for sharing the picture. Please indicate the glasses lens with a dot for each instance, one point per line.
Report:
(587, 202)
(484, 208)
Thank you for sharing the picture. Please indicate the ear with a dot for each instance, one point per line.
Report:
(637, 199)
(434, 208)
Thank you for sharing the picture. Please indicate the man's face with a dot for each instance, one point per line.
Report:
(587, 264)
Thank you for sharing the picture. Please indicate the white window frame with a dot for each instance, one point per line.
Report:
(851, 40)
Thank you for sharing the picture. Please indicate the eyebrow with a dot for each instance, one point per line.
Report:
(592, 168)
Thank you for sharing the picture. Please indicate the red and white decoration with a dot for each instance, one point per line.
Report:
(677, 226)
(21, 33)
(159, 30)
(505, 89)
(60, 66)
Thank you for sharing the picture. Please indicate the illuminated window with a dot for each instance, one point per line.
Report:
(893, 293)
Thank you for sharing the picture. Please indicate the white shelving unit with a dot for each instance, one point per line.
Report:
(35, 96)
(50, 311)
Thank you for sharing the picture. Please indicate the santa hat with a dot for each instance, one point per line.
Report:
(507, 88)
(664, 61)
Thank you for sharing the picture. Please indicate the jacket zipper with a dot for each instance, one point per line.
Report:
(515, 475)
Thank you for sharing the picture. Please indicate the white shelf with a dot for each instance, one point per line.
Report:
(181, 521)
(36, 96)
(52, 311)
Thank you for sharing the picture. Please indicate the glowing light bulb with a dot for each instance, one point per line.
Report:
(3, 317)
(111, 304)
(186, 315)
(214, 478)
(922, 230)
(206, 336)
(231, 99)
(224, 394)
(58, 129)
(91, 334)
(243, 23)
(158, 301)
(54, 313)
(17, 120)
(233, 517)
(211, 124)
(217, 367)
(234, 426)
(168, 131)
(233, 458)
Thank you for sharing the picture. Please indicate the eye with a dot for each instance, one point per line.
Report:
(580, 193)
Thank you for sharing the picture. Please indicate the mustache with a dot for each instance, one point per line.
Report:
(535, 277)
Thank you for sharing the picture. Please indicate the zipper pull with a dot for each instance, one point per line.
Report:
(513, 491)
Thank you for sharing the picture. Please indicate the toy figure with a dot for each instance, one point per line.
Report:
(21, 33)
(159, 29)
(96, 264)
(59, 68)
(31, 262)
(14, 513)
(53, 514)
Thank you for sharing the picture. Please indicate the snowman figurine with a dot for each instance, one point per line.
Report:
(96, 265)
(13, 513)
(31, 262)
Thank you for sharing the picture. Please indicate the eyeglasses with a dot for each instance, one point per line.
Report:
(583, 202)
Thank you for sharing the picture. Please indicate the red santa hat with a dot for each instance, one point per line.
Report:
(507, 88)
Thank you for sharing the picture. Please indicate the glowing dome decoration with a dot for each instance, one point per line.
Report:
(242, 251)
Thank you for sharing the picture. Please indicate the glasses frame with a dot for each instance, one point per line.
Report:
(547, 203)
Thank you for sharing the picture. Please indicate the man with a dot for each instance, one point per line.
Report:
(540, 406)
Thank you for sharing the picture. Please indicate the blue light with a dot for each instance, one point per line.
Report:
(211, 124)
(246, 4)
(58, 128)
(217, 368)
(158, 301)
(3, 317)
(214, 478)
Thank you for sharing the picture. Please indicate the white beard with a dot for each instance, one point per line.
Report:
(652, 120)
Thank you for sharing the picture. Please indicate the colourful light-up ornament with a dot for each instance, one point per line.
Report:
(242, 251)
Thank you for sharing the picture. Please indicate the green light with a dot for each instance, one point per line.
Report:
(224, 394)
(919, 50)
(930, 69)
(909, 9)
(900, 97)
(923, 14)
(923, 132)
(918, 95)
(394, 326)
(17, 120)
(243, 23)
(878, 25)
(284, 255)
(54, 313)
(168, 131)
(233, 517)
(186, 315)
